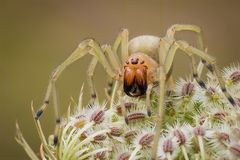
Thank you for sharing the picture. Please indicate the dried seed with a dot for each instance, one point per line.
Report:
(80, 123)
(187, 89)
(116, 131)
(180, 135)
(223, 136)
(136, 116)
(210, 91)
(146, 140)
(124, 156)
(199, 131)
(98, 116)
(235, 76)
(168, 146)
(100, 137)
(130, 134)
(100, 155)
(235, 149)
(219, 115)
(128, 106)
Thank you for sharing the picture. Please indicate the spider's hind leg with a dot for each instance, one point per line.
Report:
(90, 73)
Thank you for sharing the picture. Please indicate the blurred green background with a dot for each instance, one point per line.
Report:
(37, 35)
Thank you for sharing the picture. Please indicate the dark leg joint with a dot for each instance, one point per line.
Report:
(94, 96)
(204, 61)
(110, 84)
(58, 121)
(126, 120)
(231, 100)
(38, 114)
(168, 93)
(149, 113)
(109, 91)
(210, 67)
(195, 75)
(55, 140)
(202, 84)
(224, 89)
(46, 102)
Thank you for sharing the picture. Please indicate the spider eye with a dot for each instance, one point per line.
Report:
(135, 82)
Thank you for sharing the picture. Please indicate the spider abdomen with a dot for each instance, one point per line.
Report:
(145, 44)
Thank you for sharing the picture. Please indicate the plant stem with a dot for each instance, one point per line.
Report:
(201, 146)
(169, 157)
(41, 135)
(184, 152)
(20, 140)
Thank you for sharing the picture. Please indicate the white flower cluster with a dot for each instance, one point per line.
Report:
(198, 124)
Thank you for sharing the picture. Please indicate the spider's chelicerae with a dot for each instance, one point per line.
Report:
(145, 61)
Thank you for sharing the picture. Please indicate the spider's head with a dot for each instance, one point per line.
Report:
(135, 77)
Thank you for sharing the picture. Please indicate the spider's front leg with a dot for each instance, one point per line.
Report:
(161, 110)
(87, 46)
(193, 28)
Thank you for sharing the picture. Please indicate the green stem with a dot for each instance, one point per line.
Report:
(201, 146)
(41, 135)
(169, 157)
(184, 151)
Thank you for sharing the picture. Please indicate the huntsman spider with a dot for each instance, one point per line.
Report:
(145, 60)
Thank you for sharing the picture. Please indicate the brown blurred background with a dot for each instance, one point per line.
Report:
(37, 35)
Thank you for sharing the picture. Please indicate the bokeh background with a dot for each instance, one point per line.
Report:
(37, 35)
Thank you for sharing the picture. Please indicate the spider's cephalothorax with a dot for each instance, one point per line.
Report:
(139, 71)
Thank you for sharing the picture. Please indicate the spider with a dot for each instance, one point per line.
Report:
(145, 60)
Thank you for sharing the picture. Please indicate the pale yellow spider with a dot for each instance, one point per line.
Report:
(144, 61)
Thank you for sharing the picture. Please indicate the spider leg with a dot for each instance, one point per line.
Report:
(212, 66)
(186, 27)
(122, 39)
(161, 110)
(196, 29)
(148, 100)
(115, 87)
(195, 73)
(109, 88)
(87, 46)
(113, 58)
(122, 105)
(56, 109)
(90, 73)
(170, 85)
